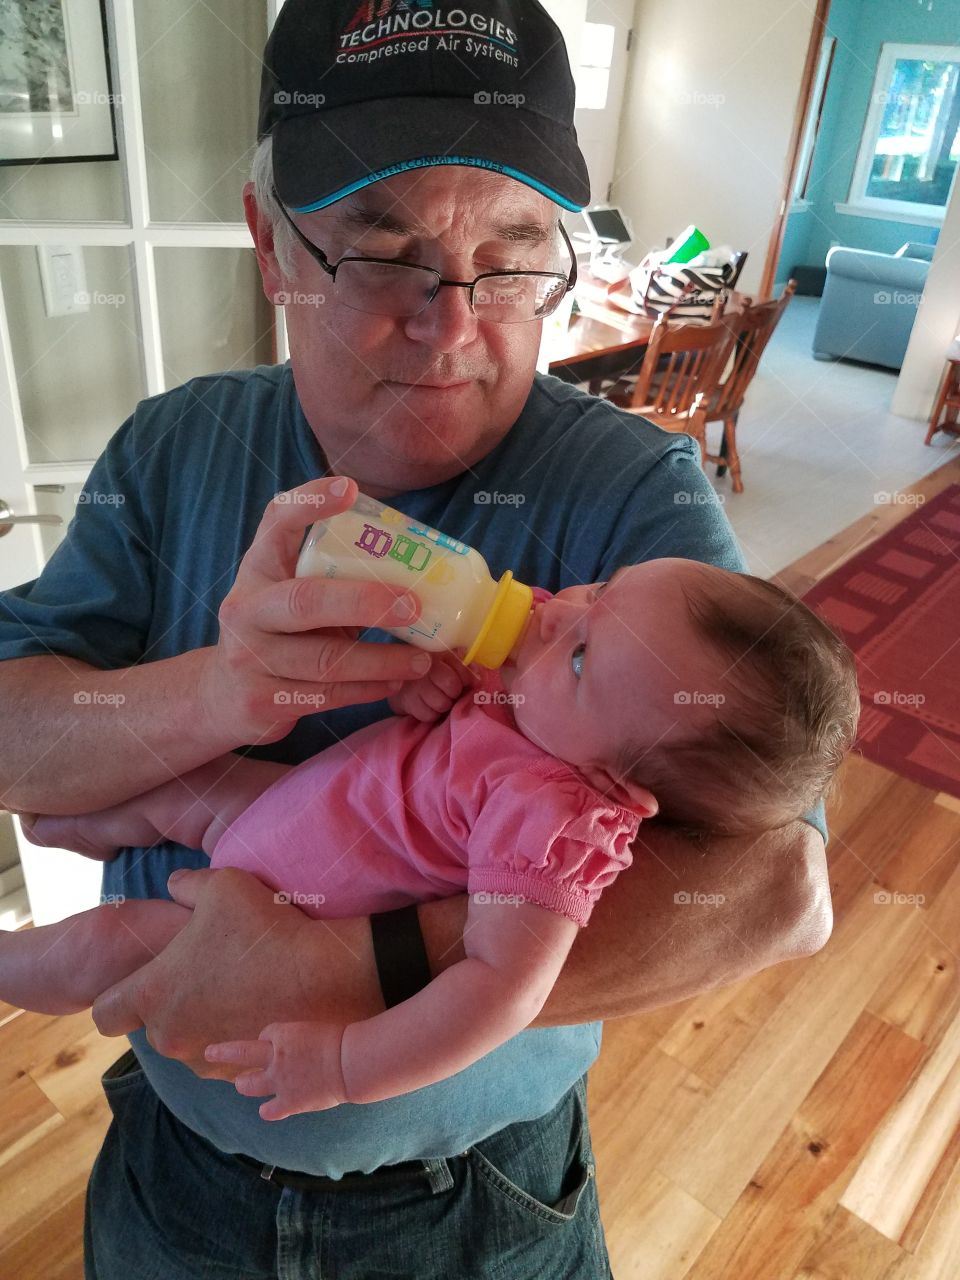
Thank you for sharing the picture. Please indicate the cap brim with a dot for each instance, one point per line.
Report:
(324, 155)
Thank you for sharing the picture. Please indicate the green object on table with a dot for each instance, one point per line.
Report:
(687, 245)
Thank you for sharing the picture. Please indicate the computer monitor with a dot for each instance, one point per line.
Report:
(608, 228)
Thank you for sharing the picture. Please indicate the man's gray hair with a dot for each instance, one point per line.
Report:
(261, 175)
(284, 241)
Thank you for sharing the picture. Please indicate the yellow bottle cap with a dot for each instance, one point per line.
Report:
(504, 621)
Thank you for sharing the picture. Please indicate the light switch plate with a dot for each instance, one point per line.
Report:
(64, 279)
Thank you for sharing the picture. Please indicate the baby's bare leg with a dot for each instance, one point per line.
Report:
(194, 810)
(63, 967)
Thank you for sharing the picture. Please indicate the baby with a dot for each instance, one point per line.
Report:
(713, 700)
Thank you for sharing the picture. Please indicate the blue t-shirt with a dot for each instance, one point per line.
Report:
(575, 490)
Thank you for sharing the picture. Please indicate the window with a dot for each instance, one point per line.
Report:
(911, 141)
(596, 59)
(811, 127)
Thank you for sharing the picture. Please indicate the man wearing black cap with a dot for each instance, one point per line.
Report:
(411, 162)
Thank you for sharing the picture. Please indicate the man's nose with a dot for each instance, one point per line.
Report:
(448, 323)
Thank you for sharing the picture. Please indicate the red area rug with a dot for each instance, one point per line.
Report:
(897, 605)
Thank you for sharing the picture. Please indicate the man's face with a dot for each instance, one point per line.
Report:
(406, 402)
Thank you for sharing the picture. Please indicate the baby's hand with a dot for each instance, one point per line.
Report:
(299, 1062)
(435, 693)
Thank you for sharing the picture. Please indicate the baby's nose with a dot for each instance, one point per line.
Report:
(558, 617)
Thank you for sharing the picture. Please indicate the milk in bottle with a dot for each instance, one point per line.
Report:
(462, 607)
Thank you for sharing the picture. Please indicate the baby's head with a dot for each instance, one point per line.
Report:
(720, 693)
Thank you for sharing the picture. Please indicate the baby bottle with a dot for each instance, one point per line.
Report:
(461, 607)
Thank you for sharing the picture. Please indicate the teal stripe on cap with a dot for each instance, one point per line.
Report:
(428, 161)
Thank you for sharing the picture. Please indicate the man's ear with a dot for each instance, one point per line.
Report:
(262, 232)
(621, 791)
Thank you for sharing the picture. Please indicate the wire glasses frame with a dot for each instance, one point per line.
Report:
(406, 289)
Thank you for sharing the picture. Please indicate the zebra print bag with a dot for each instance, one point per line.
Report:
(676, 290)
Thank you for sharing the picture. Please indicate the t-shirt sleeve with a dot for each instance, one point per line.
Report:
(545, 837)
(94, 598)
(677, 512)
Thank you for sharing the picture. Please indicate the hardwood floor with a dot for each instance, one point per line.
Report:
(803, 1125)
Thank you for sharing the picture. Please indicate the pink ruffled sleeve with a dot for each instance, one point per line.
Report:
(545, 836)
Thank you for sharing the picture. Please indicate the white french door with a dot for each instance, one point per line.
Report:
(154, 251)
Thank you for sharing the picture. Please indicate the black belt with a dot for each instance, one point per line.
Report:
(386, 1175)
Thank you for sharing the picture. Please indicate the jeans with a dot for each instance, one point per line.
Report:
(164, 1204)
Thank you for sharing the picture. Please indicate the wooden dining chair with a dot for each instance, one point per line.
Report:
(755, 327)
(679, 376)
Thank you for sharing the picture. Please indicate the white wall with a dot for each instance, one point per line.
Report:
(937, 322)
(711, 95)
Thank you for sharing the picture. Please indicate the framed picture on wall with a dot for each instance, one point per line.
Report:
(56, 101)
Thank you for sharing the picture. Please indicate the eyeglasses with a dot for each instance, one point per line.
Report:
(385, 287)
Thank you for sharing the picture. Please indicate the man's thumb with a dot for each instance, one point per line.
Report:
(186, 885)
(115, 1011)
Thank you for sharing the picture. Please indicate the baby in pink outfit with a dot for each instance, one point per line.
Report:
(713, 697)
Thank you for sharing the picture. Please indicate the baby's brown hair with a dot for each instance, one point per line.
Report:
(766, 756)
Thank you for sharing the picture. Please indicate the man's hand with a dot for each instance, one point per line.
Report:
(67, 831)
(242, 962)
(288, 646)
(686, 918)
(435, 693)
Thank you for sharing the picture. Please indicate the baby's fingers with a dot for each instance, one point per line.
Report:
(275, 1110)
(254, 1084)
(245, 1053)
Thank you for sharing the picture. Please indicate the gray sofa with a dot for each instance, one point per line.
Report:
(870, 302)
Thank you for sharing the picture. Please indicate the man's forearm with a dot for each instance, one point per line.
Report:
(659, 934)
(78, 738)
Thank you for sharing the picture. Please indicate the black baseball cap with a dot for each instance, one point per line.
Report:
(354, 91)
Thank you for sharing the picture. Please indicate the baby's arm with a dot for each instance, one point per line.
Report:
(514, 954)
(194, 810)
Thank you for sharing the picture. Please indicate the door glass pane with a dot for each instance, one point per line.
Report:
(200, 89)
(79, 375)
(62, 193)
(213, 312)
(57, 112)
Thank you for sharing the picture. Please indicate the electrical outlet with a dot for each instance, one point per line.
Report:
(64, 279)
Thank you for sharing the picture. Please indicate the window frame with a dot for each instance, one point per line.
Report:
(878, 206)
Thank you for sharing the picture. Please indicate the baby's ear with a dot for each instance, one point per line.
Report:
(638, 798)
(629, 794)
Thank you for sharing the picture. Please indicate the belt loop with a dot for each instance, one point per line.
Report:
(441, 1179)
(267, 1172)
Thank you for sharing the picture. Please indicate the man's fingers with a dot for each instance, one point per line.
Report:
(315, 604)
(276, 544)
(187, 884)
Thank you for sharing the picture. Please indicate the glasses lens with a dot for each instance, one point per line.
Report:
(385, 288)
(401, 289)
(514, 299)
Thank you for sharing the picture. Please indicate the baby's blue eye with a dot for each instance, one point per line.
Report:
(577, 659)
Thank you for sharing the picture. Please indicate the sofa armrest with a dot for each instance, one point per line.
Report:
(913, 250)
(878, 268)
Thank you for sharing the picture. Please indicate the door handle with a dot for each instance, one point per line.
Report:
(8, 519)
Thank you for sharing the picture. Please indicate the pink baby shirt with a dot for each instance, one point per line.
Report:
(403, 811)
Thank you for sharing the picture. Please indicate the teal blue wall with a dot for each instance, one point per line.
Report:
(860, 28)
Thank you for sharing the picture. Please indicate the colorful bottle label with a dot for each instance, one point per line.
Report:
(378, 543)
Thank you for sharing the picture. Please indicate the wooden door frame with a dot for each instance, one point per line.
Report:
(775, 246)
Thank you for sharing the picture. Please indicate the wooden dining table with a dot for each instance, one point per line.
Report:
(606, 341)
